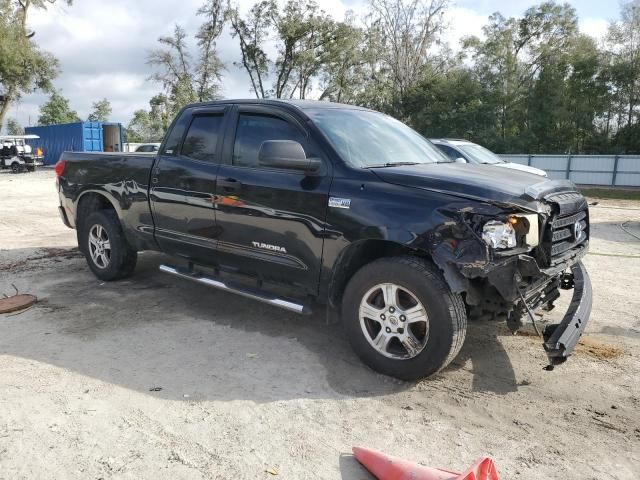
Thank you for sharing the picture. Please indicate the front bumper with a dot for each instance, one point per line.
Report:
(560, 339)
(34, 162)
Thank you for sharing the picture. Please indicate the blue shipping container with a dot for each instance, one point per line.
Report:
(76, 137)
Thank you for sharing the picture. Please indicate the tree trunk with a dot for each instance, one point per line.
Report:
(6, 103)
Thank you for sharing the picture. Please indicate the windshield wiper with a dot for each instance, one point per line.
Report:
(392, 164)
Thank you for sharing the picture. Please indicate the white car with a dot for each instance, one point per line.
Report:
(469, 152)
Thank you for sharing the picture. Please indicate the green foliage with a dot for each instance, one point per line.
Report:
(313, 50)
(532, 83)
(451, 105)
(57, 110)
(627, 139)
(406, 33)
(184, 79)
(14, 128)
(24, 68)
(101, 111)
(209, 67)
(623, 52)
(149, 126)
(342, 75)
(252, 33)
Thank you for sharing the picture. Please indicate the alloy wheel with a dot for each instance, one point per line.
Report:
(394, 321)
(99, 246)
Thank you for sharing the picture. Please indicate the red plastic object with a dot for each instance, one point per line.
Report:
(59, 168)
(386, 467)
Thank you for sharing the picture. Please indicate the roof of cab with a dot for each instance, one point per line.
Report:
(299, 104)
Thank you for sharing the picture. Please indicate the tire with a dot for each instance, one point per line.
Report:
(112, 262)
(15, 167)
(430, 342)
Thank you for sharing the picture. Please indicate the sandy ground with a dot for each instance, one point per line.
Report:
(153, 377)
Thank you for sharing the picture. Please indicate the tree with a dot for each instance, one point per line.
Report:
(408, 30)
(309, 41)
(627, 139)
(623, 50)
(101, 111)
(149, 126)
(586, 96)
(510, 59)
(208, 70)
(343, 74)
(23, 67)
(306, 36)
(14, 128)
(252, 33)
(186, 80)
(139, 130)
(57, 110)
(451, 105)
(174, 61)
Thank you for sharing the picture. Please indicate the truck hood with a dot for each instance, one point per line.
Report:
(523, 168)
(486, 183)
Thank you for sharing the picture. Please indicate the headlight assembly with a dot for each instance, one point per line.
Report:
(513, 231)
(499, 235)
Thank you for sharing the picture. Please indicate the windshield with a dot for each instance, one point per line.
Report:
(366, 139)
(480, 154)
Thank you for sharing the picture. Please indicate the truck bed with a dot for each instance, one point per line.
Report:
(122, 177)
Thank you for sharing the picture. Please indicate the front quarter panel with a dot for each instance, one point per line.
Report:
(423, 221)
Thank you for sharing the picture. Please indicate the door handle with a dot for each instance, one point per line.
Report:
(230, 184)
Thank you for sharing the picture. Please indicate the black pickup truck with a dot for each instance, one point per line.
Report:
(300, 204)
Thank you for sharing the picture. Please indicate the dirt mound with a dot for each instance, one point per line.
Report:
(599, 350)
(586, 346)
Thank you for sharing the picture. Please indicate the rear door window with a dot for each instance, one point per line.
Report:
(201, 141)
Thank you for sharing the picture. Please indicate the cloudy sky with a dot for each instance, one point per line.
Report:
(102, 45)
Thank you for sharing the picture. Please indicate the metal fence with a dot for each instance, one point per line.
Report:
(610, 170)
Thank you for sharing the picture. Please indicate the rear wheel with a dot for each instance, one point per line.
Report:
(15, 167)
(402, 319)
(106, 249)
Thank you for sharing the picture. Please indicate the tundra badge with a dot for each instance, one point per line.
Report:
(337, 202)
(266, 246)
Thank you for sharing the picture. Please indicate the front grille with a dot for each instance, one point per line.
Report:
(567, 229)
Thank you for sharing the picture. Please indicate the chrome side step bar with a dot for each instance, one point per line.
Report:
(248, 292)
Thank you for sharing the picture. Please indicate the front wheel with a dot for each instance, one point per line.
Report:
(109, 255)
(402, 319)
(15, 167)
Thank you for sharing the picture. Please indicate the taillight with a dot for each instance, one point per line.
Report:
(59, 168)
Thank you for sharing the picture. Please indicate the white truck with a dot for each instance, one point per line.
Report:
(17, 155)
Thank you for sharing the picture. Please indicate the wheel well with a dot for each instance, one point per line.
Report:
(357, 256)
(89, 203)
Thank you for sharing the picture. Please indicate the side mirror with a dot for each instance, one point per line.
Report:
(460, 160)
(286, 154)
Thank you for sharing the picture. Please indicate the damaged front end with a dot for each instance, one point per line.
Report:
(510, 260)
